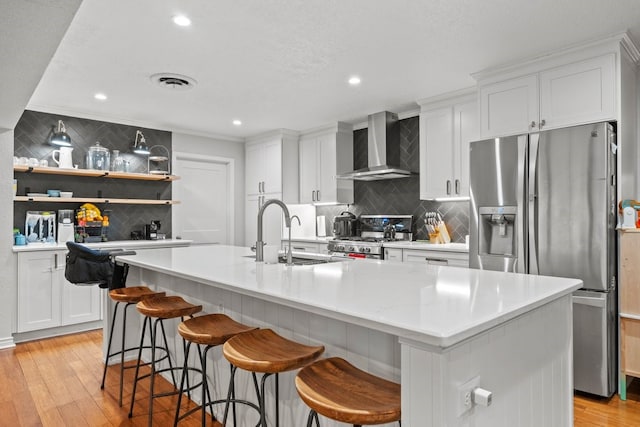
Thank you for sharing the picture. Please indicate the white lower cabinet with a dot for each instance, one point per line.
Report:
(391, 254)
(454, 259)
(46, 299)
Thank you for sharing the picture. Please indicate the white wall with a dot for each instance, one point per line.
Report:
(221, 148)
(8, 275)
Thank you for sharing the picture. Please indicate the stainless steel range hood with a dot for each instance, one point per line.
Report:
(384, 150)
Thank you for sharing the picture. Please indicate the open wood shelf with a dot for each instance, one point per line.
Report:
(94, 173)
(95, 200)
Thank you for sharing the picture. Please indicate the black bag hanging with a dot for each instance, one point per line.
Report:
(85, 266)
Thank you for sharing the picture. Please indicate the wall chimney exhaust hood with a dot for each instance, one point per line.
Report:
(384, 150)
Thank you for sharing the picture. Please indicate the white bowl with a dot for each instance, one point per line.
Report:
(66, 194)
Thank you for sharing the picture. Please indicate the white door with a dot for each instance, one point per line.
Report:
(205, 191)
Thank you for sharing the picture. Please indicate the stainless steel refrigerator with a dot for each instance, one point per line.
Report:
(545, 203)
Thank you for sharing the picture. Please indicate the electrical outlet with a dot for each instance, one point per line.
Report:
(465, 395)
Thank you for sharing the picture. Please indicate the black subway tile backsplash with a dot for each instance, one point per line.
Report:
(399, 196)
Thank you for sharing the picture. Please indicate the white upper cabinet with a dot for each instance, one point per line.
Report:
(578, 93)
(446, 129)
(323, 155)
(271, 165)
(565, 95)
(509, 107)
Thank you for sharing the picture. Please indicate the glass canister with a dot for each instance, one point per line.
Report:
(118, 164)
(98, 157)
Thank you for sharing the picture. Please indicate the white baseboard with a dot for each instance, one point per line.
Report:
(7, 343)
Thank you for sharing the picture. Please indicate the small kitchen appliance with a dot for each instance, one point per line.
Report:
(66, 228)
(40, 227)
(345, 225)
(151, 230)
(375, 231)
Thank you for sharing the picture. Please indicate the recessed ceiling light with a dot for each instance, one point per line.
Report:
(181, 21)
(237, 122)
(100, 96)
(354, 81)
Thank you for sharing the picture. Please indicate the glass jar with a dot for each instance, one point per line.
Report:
(98, 157)
(118, 164)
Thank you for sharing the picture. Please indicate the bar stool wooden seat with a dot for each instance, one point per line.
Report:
(341, 392)
(210, 330)
(264, 351)
(159, 308)
(128, 296)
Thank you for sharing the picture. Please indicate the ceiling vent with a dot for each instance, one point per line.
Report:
(173, 81)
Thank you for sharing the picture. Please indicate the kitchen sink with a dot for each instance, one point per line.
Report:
(301, 260)
(305, 261)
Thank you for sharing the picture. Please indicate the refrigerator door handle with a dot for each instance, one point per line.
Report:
(532, 203)
(521, 254)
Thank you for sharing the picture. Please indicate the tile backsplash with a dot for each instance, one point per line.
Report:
(399, 196)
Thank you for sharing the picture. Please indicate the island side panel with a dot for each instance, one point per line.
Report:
(371, 350)
(527, 363)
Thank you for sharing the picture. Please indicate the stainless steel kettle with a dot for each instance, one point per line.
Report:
(345, 225)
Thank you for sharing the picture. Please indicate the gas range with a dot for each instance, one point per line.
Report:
(356, 247)
(375, 231)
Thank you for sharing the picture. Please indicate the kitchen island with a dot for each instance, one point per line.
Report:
(439, 331)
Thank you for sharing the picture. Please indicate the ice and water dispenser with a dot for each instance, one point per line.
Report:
(497, 234)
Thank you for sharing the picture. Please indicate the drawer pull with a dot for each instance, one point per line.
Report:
(299, 248)
(440, 260)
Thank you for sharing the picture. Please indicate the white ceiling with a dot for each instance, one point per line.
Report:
(284, 63)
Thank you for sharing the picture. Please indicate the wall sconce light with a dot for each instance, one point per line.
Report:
(140, 144)
(60, 136)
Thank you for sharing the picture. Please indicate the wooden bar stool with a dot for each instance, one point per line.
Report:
(209, 330)
(128, 296)
(263, 351)
(340, 391)
(160, 309)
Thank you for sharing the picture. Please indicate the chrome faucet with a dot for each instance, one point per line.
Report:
(287, 222)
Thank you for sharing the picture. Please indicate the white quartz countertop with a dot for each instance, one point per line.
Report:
(436, 305)
(124, 244)
(450, 247)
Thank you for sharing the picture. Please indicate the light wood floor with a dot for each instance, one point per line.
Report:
(56, 382)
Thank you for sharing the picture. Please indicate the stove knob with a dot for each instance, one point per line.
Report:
(363, 249)
(351, 249)
(340, 248)
(366, 249)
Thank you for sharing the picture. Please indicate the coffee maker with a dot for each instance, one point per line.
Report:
(151, 230)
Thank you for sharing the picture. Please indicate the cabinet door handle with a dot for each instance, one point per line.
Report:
(259, 186)
(317, 195)
(457, 186)
(532, 125)
(437, 260)
(55, 262)
(448, 187)
(313, 195)
(542, 123)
